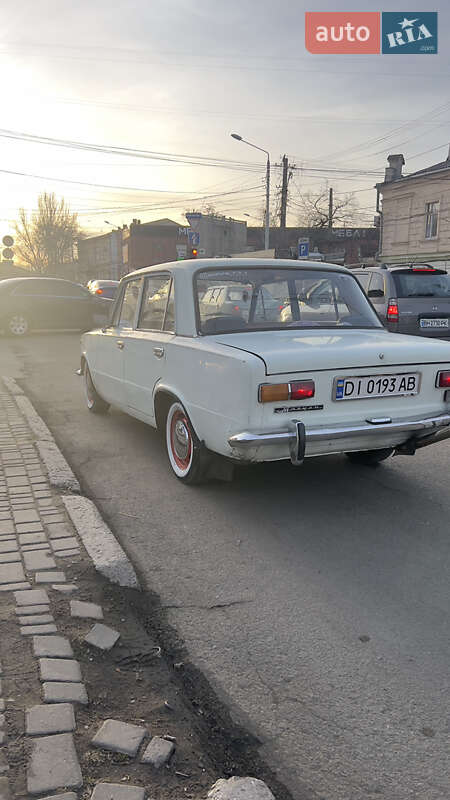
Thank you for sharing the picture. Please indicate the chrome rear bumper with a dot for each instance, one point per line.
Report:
(296, 436)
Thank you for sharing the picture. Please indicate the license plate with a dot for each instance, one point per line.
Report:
(434, 323)
(365, 386)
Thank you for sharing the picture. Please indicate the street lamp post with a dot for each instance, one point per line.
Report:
(267, 220)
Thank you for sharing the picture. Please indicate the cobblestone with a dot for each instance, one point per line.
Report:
(6, 527)
(63, 692)
(32, 597)
(32, 538)
(29, 527)
(26, 516)
(8, 546)
(58, 531)
(50, 719)
(58, 669)
(9, 558)
(119, 737)
(79, 608)
(5, 792)
(40, 609)
(33, 630)
(158, 752)
(66, 553)
(52, 647)
(37, 619)
(49, 577)
(64, 544)
(12, 587)
(40, 559)
(65, 588)
(54, 764)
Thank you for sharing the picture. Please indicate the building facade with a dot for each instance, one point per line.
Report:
(415, 220)
(100, 257)
(217, 235)
(348, 246)
(149, 243)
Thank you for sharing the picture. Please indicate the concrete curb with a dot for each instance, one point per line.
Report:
(108, 556)
(60, 474)
(12, 386)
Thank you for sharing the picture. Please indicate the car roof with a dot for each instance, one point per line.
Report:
(194, 265)
(104, 282)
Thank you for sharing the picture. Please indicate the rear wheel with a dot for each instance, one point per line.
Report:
(183, 448)
(94, 402)
(18, 325)
(370, 458)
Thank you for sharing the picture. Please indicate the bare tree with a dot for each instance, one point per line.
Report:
(314, 211)
(46, 239)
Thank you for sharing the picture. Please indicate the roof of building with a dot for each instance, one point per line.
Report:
(442, 166)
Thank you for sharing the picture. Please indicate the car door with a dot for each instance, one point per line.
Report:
(76, 306)
(147, 345)
(109, 345)
(38, 299)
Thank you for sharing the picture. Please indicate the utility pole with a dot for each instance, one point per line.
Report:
(330, 208)
(284, 192)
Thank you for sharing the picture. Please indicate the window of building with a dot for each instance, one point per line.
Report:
(431, 219)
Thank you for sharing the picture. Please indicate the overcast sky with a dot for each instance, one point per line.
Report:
(177, 77)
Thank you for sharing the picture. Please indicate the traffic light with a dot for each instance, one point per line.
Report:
(194, 252)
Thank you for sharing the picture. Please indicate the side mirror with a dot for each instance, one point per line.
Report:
(375, 293)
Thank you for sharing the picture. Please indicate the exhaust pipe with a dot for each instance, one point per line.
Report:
(409, 448)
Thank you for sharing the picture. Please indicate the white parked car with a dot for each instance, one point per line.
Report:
(251, 385)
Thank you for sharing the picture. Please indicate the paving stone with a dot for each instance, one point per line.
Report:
(37, 619)
(158, 752)
(63, 692)
(13, 472)
(28, 548)
(26, 516)
(33, 597)
(6, 527)
(34, 630)
(64, 544)
(20, 480)
(66, 553)
(119, 737)
(32, 610)
(4, 766)
(11, 573)
(2, 741)
(45, 503)
(2, 705)
(78, 608)
(49, 719)
(49, 577)
(54, 764)
(15, 491)
(58, 669)
(67, 588)
(41, 559)
(5, 792)
(2, 720)
(38, 481)
(12, 587)
(65, 796)
(58, 531)
(5, 516)
(117, 791)
(102, 637)
(30, 528)
(8, 546)
(9, 558)
(52, 647)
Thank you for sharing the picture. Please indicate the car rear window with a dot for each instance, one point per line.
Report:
(422, 284)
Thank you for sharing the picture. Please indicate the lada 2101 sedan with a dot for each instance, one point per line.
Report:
(320, 376)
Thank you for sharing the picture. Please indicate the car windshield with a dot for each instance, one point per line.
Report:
(261, 298)
(422, 284)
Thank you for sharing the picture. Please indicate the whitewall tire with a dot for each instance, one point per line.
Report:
(182, 446)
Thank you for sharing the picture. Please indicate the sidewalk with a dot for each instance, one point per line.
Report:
(88, 703)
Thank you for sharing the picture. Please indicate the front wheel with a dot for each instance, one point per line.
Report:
(17, 325)
(370, 458)
(183, 447)
(94, 402)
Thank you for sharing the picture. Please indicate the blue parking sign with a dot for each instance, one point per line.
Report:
(303, 248)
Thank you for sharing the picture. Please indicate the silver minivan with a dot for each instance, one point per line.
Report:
(412, 299)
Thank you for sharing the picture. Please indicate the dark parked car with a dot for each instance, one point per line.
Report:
(42, 303)
(104, 288)
(412, 299)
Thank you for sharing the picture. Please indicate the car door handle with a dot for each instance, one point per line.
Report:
(120, 344)
(158, 351)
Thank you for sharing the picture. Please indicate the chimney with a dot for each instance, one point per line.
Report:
(394, 170)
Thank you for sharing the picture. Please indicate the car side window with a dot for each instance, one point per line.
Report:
(154, 302)
(377, 284)
(130, 299)
(363, 279)
(72, 290)
(39, 287)
(169, 321)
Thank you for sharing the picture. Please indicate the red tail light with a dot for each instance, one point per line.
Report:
(99, 291)
(276, 392)
(392, 312)
(443, 380)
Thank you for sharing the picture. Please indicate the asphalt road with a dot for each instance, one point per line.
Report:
(316, 599)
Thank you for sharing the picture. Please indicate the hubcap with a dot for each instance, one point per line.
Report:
(18, 325)
(181, 441)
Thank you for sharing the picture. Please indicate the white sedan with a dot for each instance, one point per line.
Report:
(251, 385)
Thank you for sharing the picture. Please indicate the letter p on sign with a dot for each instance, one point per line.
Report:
(342, 32)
